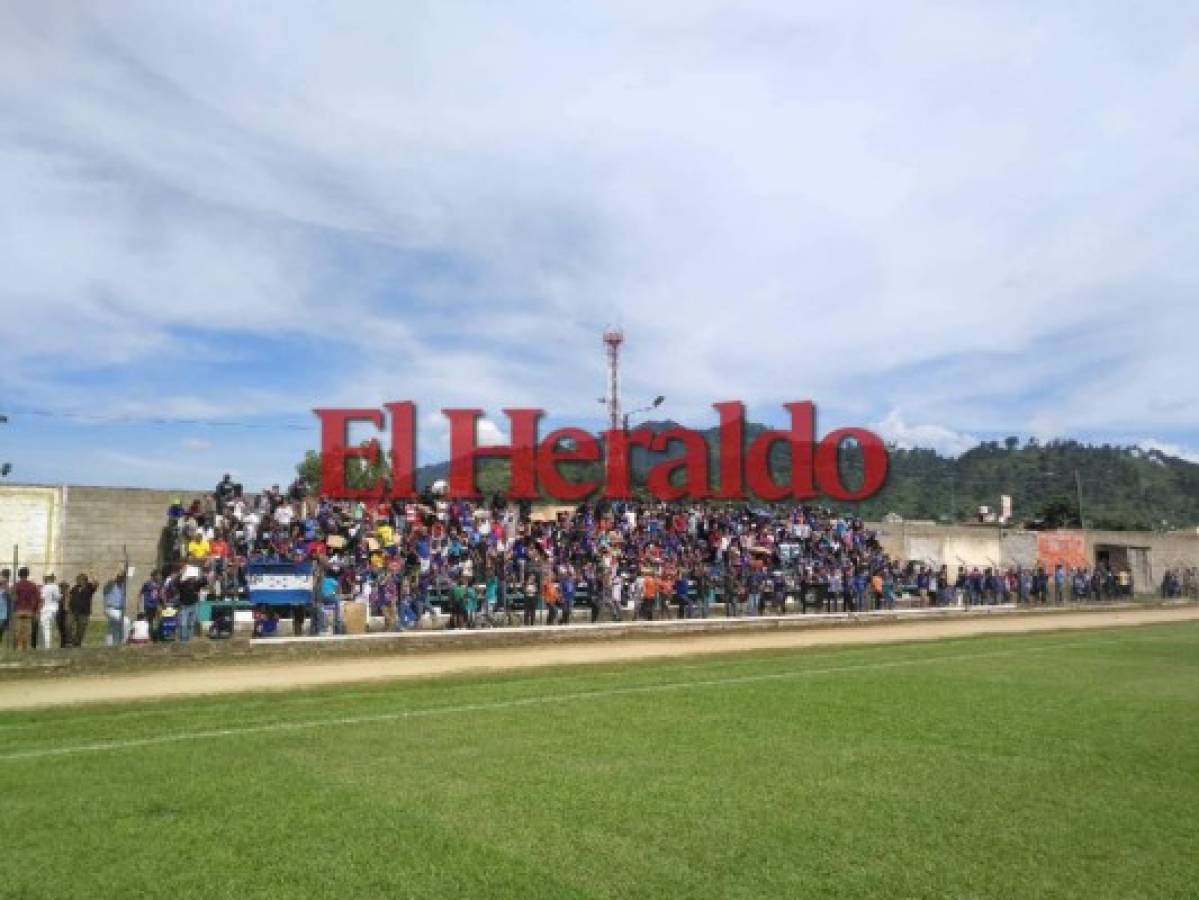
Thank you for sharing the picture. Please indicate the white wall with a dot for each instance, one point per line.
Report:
(31, 518)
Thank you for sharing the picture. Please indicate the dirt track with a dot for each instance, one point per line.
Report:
(60, 691)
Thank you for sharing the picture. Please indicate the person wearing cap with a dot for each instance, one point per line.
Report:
(188, 596)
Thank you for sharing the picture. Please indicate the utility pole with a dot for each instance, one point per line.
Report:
(1082, 523)
(12, 619)
(125, 592)
(5, 468)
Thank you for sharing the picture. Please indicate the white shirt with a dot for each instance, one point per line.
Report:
(50, 596)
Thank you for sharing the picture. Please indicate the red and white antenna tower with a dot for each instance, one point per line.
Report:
(613, 338)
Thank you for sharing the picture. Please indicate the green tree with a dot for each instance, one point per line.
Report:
(359, 473)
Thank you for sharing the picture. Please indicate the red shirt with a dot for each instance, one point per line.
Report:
(26, 597)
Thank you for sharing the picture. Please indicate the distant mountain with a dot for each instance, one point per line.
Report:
(1123, 487)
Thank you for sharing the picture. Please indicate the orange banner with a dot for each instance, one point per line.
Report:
(1063, 547)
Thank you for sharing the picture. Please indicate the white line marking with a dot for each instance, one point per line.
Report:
(303, 725)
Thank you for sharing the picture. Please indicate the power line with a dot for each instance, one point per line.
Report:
(158, 420)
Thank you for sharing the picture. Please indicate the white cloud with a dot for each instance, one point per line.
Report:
(195, 444)
(971, 215)
(934, 437)
(489, 434)
(1169, 449)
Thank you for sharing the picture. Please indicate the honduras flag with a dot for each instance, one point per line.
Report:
(280, 583)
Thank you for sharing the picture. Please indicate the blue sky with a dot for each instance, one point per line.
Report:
(947, 221)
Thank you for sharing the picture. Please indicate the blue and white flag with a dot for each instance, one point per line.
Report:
(280, 583)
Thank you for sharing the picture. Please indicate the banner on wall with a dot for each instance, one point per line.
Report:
(1066, 548)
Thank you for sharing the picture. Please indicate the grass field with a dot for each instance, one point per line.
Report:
(1028, 766)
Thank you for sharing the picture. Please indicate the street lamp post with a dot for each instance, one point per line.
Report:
(658, 401)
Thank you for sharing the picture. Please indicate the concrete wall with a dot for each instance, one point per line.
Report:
(69, 529)
(938, 545)
(102, 523)
(988, 545)
(72, 529)
(31, 521)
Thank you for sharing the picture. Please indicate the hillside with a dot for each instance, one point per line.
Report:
(1122, 487)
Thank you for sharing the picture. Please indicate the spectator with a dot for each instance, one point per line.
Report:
(80, 601)
(5, 600)
(550, 596)
(114, 609)
(151, 597)
(189, 598)
(198, 548)
(140, 632)
(26, 603)
(48, 615)
(615, 590)
(224, 492)
(682, 594)
(567, 588)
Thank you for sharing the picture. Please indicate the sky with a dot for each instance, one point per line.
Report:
(945, 221)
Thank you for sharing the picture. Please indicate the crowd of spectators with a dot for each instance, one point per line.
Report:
(469, 564)
(479, 563)
(408, 559)
(50, 615)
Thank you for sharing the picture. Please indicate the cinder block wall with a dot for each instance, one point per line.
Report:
(101, 523)
(69, 529)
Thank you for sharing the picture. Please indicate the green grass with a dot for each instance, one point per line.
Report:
(1030, 766)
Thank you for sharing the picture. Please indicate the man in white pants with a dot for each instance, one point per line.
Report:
(51, 598)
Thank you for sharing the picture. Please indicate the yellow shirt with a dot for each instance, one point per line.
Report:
(198, 548)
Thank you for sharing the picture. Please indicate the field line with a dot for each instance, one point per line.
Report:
(538, 700)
